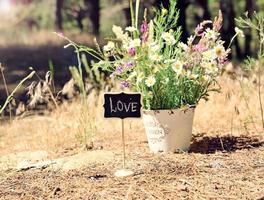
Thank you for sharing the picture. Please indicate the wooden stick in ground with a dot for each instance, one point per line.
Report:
(123, 141)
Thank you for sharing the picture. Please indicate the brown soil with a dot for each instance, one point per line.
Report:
(215, 168)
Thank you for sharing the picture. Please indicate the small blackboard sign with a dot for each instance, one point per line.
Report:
(122, 105)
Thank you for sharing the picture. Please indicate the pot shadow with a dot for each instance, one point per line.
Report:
(207, 145)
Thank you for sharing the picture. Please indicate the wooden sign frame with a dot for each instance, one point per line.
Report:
(122, 105)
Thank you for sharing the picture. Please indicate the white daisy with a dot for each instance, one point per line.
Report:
(211, 34)
(169, 38)
(183, 46)
(178, 67)
(208, 55)
(210, 67)
(219, 51)
(150, 81)
(109, 47)
(124, 37)
(134, 43)
(118, 31)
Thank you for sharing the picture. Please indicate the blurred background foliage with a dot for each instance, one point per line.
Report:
(97, 16)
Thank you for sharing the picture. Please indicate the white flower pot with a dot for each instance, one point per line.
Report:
(168, 130)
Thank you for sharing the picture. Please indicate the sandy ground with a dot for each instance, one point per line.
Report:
(238, 174)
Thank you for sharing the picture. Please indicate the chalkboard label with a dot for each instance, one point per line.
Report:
(122, 105)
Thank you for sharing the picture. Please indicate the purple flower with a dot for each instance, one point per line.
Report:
(129, 64)
(144, 37)
(144, 27)
(119, 70)
(125, 84)
(132, 51)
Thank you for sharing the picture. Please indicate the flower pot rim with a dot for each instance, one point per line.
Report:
(174, 109)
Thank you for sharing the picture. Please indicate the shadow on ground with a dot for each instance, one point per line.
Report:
(207, 145)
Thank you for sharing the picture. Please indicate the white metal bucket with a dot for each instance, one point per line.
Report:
(168, 130)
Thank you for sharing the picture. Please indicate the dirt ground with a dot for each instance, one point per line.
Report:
(209, 171)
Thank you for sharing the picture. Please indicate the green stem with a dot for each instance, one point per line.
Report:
(231, 41)
(10, 97)
(137, 12)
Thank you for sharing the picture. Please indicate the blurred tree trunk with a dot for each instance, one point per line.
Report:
(79, 18)
(249, 8)
(181, 6)
(80, 14)
(93, 12)
(127, 16)
(228, 29)
(58, 14)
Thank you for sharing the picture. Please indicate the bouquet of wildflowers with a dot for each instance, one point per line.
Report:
(151, 60)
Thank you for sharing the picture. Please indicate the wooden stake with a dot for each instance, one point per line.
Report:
(124, 148)
(123, 172)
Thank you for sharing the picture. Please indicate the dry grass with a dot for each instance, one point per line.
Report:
(228, 113)
(57, 131)
(224, 113)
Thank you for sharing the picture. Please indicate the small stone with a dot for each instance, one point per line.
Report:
(216, 165)
(23, 165)
(124, 173)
